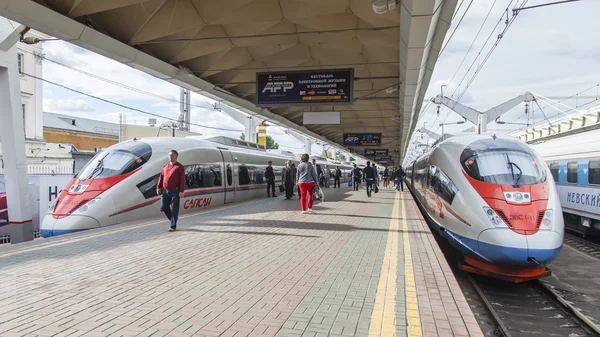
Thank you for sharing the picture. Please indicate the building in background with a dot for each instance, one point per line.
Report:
(83, 133)
(42, 157)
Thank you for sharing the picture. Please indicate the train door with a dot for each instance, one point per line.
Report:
(229, 176)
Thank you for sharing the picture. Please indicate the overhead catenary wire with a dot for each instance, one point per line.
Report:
(104, 79)
(125, 106)
(508, 23)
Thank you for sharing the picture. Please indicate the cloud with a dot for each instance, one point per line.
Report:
(61, 105)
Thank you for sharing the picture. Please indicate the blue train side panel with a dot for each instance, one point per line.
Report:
(578, 186)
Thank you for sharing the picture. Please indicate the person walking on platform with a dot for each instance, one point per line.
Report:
(171, 183)
(376, 174)
(336, 177)
(270, 175)
(369, 178)
(288, 180)
(400, 182)
(356, 177)
(306, 179)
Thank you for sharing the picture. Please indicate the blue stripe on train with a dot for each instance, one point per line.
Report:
(46, 233)
(500, 254)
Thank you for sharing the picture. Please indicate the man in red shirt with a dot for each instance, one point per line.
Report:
(171, 184)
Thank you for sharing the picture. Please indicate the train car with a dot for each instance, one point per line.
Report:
(119, 184)
(574, 162)
(491, 199)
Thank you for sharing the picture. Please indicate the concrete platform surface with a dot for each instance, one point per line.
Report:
(358, 266)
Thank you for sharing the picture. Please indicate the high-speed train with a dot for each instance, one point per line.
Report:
(119, 184)
(491, 198)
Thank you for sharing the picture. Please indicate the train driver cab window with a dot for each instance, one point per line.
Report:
(507, 167)
(118, 160)
(594, 172)
(572, 168)
(554, 170)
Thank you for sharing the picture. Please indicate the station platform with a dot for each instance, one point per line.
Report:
(358, 266)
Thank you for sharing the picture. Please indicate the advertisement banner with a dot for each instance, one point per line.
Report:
(376, 152)
(362, 139)
(311, 87)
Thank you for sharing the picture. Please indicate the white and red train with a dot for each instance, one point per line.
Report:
(494, 200)
(119, 184)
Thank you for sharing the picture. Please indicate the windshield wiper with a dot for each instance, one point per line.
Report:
(516, 183)
(99, 168)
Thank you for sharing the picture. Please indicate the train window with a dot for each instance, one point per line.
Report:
(245, 175)
(148, 187)
(205, 175)
(441, 185)
(554, 170)
(229, 175)
(259, 175)
(594, 172)
(119, 159)
(572, 168)
(507, 167)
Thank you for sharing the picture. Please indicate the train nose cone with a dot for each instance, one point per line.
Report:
(503, 246)
(544, 246)
(70, 224)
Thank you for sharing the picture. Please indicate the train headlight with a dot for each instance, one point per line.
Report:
(77, 188)
(52, 205)
(494, 218)
(87, 205)
(546, 223)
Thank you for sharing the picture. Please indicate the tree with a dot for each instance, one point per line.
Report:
(271, 144)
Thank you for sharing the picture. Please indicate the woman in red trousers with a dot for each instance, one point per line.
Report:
(306, 177)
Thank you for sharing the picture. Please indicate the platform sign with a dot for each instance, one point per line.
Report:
(310, 87)
(376, 152)
(383, 158)
(362, 139)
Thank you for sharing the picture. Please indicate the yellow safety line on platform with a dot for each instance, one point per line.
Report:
(383, 319)
(120, 230)
(412, 303)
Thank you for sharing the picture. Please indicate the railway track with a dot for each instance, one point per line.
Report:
(581, 244)
(531, 309)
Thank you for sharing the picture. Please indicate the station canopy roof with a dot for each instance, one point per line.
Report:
(226, 42)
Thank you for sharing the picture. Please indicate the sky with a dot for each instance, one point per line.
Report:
(550, 51)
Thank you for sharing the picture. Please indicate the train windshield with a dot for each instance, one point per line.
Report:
(506, 167)
(119, 159)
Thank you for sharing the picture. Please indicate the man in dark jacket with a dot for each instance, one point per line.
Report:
(356, 175)
(369, 178)
(336, 177)
(270, 176)
(400, 182)
(288, 180)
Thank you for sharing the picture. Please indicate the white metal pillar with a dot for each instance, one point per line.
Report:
(39, 98)
(13, 136)
(308, 143)
(184, 109)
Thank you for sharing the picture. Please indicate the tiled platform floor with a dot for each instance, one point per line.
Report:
(357, 267)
